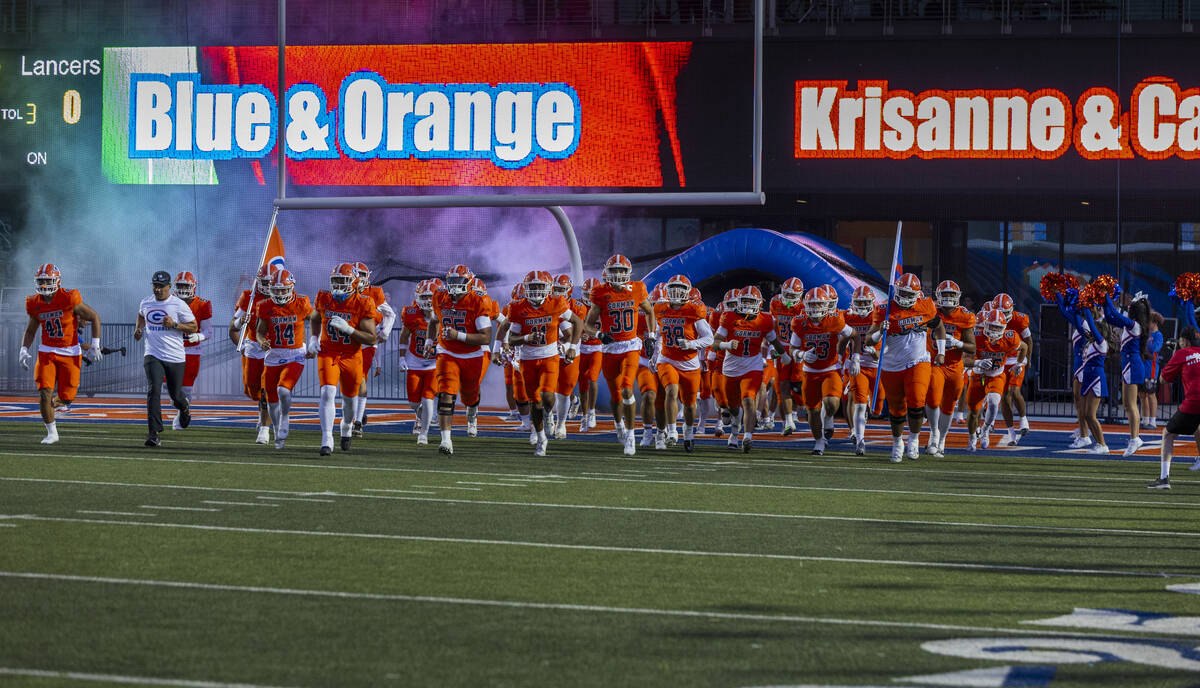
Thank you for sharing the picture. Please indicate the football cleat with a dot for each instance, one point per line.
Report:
(860, 448)
(897, 450)
(358, 428)
(560, 430)
(174, 423)
(279, 442)
(972, 444)
(423, 438)
(660, 442)
(689, 446)
(533, 437)
(446, 447)
(1160, 484)
(819, 448)
(647, 438)
(264, 434)
(672, 439)
(151, 440)
(788, 428)
(747, 445)
(345, 444)
(185, 416)
(718, 431)
(513, 416)
(913, 449)
(732, 443)
(828, 434)
(630, 447)
(326, 450)
(472, 428)
(539, 449)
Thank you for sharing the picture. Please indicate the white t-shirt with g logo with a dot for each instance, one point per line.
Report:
(164, 343)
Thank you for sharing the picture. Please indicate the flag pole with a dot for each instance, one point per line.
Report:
(254, 280)
(887, 309)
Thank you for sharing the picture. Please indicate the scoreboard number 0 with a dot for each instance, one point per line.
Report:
(72, 103)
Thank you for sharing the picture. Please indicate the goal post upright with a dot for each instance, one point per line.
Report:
(552, 202)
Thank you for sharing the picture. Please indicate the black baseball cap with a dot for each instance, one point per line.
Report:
(161, 277)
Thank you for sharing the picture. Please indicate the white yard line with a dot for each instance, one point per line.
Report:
(115, 678)
(469, 482)
(296, 499)
(551, 606)
(702, 512)
(213, 501)
(368, 489)
(177, 508)
(610, 548)
(111, 513)
(448, 487)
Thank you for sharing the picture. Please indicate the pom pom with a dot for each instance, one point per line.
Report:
(1094, 293)
(1187, 287)
(1055, 283)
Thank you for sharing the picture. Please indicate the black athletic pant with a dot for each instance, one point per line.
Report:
(156, 371)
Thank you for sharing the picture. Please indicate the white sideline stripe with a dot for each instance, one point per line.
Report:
(705, 512)
(111, 513)
(448, 487)
(114, 678)
(469, 482)
(13, 525)
(554, 606)
(611, 548)
(177, 508)
(368, 489)
(213, 501)
(294, 499)
(982, 475)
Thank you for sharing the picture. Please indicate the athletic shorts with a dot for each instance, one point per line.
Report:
(341, 369)
(1183, 423)
(512, 376)
(456, 376)
(620, 372)
(1017, 379)
(590, 365)
(906, 388)
(647, 380)
(191, 368)
(368, 357)
(540, 376)
(742, 387)
(568, 375)
(53, 370)
(717, 382)
(688, 381)
(981, 386)
(252, 377)
(817, 386)
(420, 385)
(945, 387)
(286, 376)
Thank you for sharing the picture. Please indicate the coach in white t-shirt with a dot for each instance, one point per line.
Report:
(164, 319)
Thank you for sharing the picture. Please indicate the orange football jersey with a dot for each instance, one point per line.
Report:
(714, 321)
(678, 325)
(580, 310)
(352, 309)
(820, 336)
(57, 317)
(619, 309)
(462, 315)
(904, 319)
(202, 309)
(783, 317)
(285, 327)
(414, 319)
(997, 351)
(749, 334)
(243, 304)
(956, 322)
(540, 321)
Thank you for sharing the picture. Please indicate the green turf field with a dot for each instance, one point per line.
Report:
(212, 561)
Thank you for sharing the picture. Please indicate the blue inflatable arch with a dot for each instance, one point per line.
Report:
(815, 261)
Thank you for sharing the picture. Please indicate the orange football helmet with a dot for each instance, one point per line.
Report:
(907, 290)
(862, 302)
(730, 302)
(994, 324)
(695, 297)
(424, 295)
(947, 294)
(343, 281)
(47, 279)
(588, 285)
(792, 291)
(617, 270)
(262, 281)
(820, 302)
(478, 286)
(562, 286)
(364, 275)
(1004, 304)
(678, 289)
(458, 280)
(283, 287)
(537, 286)
(185, 285)
(749, 301)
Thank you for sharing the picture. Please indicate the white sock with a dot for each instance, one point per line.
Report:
(561, 405)
(542, 434)
(360, 407)
(326, 412)
(428, 409)
(445, 435)
(932, 414)
(860, 421)
(51, 429)
(285, 407)
(472, 413)
(943, 426)
(348, 405)
(273, 411)
(524, 418)
(1024, 422)
(689, 431)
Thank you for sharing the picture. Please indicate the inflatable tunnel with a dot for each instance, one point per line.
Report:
(815, 261)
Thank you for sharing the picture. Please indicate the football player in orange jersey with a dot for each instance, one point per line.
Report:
(591, 356)
(649, 400)
(58, 312)
(514, 384)
(242, 332)
(988, 378)
(344, 317)
(787, 304)
(185, 288)
(817, 341)
(417, 360)
(706, 395)
(568, 372)
(905, 361)
(1014, 371)
(282, 331)
(684, 332)
(615, 305)
(860, 317)
(741, 335)
(461, 327)
(535, 323)
(384, 321)
(946, 381)
(716, 363)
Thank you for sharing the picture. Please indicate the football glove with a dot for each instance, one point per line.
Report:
(810, 356)
(93, 354)
(194, 338)
(25, 357)
(339, 323)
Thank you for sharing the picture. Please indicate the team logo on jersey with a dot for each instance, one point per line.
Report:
(155, 317)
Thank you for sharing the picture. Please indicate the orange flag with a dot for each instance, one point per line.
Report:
(273, 254)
